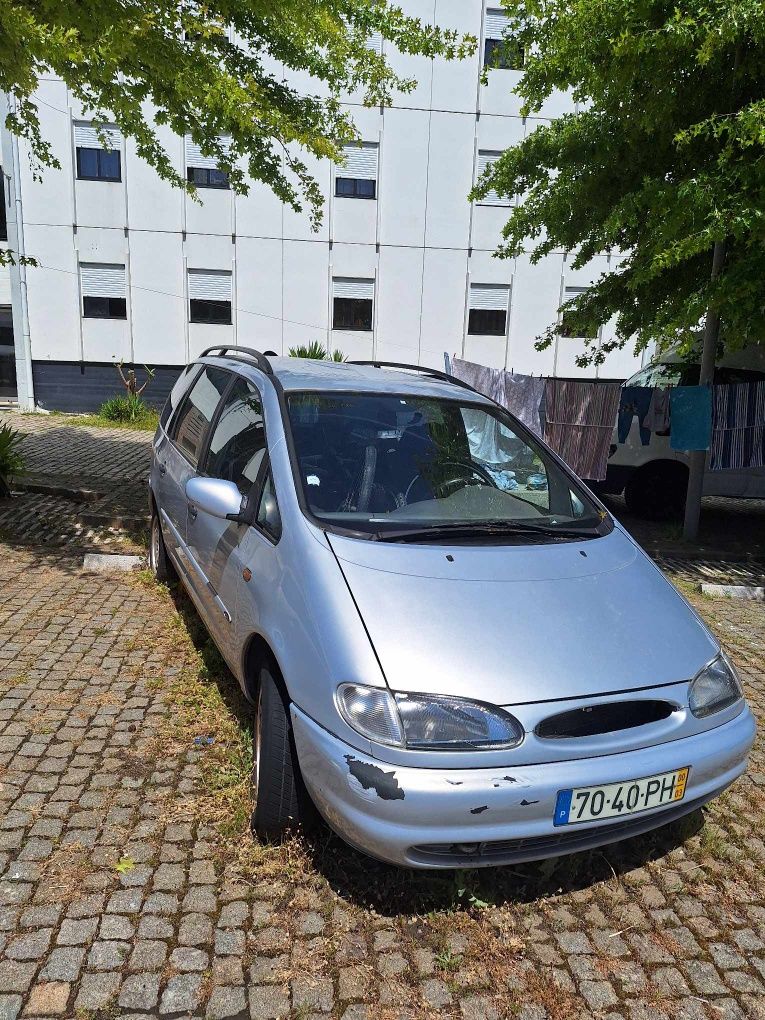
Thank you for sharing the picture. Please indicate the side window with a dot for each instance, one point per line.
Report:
(176, 394)
(238, 443)
(268, 510)
(190, 427)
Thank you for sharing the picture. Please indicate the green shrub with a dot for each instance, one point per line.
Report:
(129, 408)
(11, 461)
(316, 351)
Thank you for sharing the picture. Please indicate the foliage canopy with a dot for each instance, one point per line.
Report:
(664, 156)
(211, 70)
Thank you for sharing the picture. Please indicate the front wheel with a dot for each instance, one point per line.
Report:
(159, 561)
(280, 800)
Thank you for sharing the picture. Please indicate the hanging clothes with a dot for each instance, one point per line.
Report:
(521, 395)
(738, 426)
(634, 400)
(579, 423)
(690, 417)
(524, 398)
(657, 417)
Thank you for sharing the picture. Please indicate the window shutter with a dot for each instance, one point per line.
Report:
(195, 158)
(86, 136)
(485, 159)
(210, 284)
(572, 292)
(360, 161)
(5, 288)
(496, 23)
(102, 280)
(375, 42)
(347, 287)
(489, 297)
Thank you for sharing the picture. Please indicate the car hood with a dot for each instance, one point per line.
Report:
(522, 623)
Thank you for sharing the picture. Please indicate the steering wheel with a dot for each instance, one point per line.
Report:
(449, 485)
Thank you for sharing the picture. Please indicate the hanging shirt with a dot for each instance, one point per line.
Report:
(579, 423)
(691, 417)
(634, 400)
(738, 426)
(657, 418)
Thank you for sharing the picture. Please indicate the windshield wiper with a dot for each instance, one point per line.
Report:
(468, 529)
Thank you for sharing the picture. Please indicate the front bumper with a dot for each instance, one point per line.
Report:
(457, 818)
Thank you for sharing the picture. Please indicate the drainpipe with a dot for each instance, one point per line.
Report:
(25, 387)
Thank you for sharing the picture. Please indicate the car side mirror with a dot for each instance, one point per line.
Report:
(216, 497)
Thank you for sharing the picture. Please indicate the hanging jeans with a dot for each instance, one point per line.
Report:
(634, 400)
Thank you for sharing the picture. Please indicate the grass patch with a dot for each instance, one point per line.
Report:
(145, 423)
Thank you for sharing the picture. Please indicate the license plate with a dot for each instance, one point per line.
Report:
(593, 803)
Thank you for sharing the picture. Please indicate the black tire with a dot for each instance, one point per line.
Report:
(280, 800)
(159, 561)
(657, 491)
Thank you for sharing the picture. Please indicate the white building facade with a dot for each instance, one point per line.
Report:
(402, 268)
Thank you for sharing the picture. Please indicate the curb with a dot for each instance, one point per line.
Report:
(106, 563)
(734, 591)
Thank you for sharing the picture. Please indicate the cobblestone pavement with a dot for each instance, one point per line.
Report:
(129, 885)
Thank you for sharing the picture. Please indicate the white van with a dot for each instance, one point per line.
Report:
(654, 478)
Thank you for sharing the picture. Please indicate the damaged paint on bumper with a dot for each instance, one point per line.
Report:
(401, 814)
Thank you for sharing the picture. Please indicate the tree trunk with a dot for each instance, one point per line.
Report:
(697, 461)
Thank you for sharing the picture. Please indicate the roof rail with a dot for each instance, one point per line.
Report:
(423, 369)
(261, 361)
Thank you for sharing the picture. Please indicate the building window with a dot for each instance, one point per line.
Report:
(3, 218)
(499, 51)
(103, 291)
(210, 296)
(352, 303)
(203, 170)
(487, 315)
(94, 162)
(485, 159)
(358, 178)
(565, 328)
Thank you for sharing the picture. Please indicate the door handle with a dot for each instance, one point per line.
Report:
(162, 468)
(192, 511)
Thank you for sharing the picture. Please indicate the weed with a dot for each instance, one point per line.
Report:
(448, 961)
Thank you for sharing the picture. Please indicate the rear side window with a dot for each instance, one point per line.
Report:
(238, 444)
(190, 427)
(180, 386)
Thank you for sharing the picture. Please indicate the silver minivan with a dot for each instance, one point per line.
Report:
(452, 650)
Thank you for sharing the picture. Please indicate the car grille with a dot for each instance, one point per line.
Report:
(551, 845)
(607, 718)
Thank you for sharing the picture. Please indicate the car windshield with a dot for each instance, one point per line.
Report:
(392, 465)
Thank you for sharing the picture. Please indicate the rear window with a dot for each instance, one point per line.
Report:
(177, 393)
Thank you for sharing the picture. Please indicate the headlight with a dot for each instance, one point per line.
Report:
(427, 722)
(716, 687)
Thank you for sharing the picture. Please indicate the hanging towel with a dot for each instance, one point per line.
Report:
(489, 381)
(691, 417)
(634, 400)
(521, 395)
(657, 418)
(524, 398)
(738, 426)
(579, 424)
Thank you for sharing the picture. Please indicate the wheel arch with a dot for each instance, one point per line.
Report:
(257, 653)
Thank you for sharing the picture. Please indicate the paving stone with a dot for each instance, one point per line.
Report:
(97, 991)
(310, 992)
(226, 1002)
(187, 959)
(108, 955)
(10, 1006)
(63, 965)
(181, 994)
(16, 977)
(269, 1003)
(48, 998)
(77, 933)
(30, 947)
(140, 991)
